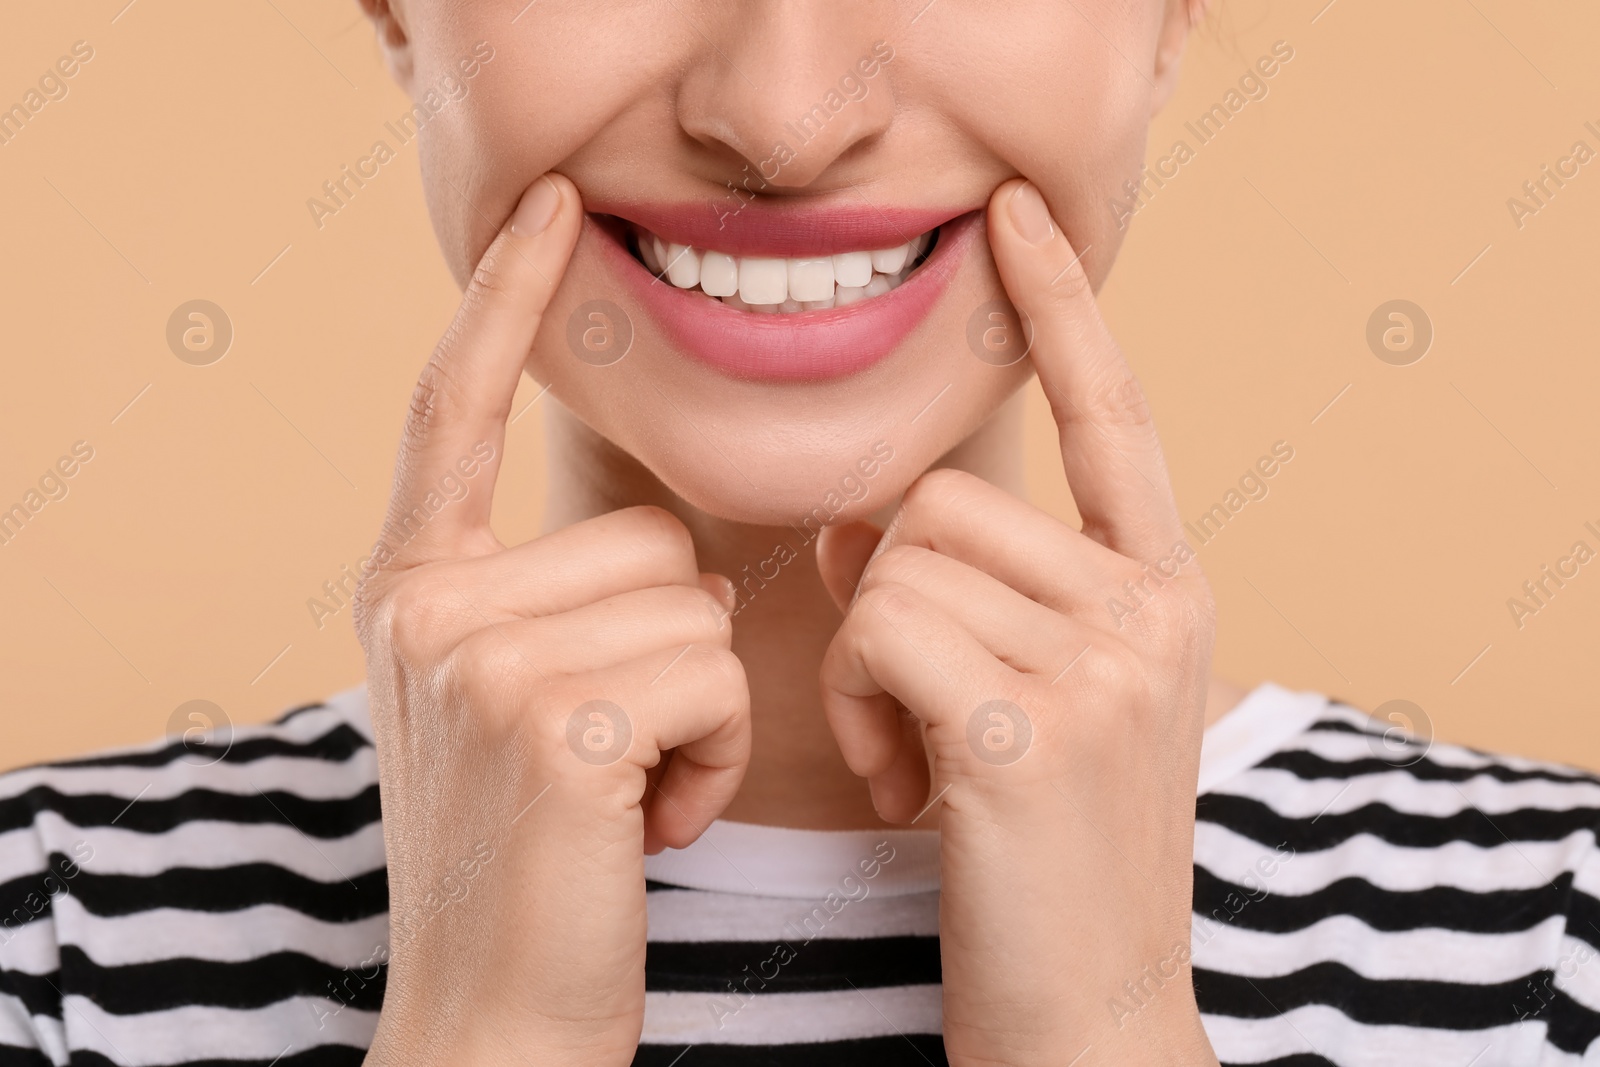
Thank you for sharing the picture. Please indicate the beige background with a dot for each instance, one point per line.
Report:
(1378, 167)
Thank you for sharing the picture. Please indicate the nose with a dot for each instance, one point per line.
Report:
(790, 86)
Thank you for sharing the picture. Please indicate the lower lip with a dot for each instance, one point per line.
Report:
(804, 345)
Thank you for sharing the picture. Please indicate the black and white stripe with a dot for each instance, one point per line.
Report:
(1357, 901)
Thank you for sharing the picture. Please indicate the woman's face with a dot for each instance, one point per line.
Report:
(808, 153)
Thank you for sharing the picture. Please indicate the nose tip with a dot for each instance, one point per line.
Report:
(790, 95)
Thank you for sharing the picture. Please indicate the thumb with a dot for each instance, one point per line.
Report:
(842, 554)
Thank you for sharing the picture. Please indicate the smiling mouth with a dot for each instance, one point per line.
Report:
(774, 285)
(786, 292)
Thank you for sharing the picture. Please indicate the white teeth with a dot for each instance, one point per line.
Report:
(852, 268)
(889, 260)
(770, 285)
(719, 274)
(811, 279)
(763, 280)
(683, 266)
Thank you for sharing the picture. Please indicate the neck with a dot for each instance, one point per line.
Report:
(796, 776)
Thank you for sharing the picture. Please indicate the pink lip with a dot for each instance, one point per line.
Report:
(806, 345)
(771, 228)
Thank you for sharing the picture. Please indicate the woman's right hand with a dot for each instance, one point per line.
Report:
(524, 700)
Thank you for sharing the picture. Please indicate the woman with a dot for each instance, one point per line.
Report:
(798, 737)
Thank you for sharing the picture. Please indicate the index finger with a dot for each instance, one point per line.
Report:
(1109, 446)
(458, 413)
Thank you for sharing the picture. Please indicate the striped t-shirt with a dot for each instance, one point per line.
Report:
(1359, 899)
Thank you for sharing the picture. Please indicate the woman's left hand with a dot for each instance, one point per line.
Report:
(1057, 680)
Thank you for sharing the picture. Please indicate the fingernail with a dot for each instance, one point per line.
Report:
(722, 588)
(538, 207)
(1030, 215)
(726, 591)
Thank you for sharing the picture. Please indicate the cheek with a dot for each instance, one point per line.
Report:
(1061, 106)
(542, 102)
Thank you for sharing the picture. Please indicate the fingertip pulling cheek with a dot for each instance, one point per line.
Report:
(537, 208)
(1030, 215)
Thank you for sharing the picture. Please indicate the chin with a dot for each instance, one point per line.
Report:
(777, 413)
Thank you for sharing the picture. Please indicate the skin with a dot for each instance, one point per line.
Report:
(937, 593)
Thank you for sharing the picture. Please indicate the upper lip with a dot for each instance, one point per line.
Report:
(789, 230)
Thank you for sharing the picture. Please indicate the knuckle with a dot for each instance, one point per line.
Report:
(1191, 624)
(936, 489)
(707, 617)
(491, 278)
(420, 617)
(719, 668)
(696, 615)
(436, 395)
(718, 679)
(886, 599)
(660, 532)
(1119, 400)
(1111, 671)
(1179, 615)
(900, 565)
(491, 671)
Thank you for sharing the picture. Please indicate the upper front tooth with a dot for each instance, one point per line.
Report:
(719, 274)
(889, 260)
(811, 279)
(852, 268)
(683, 266)
(763, 280)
